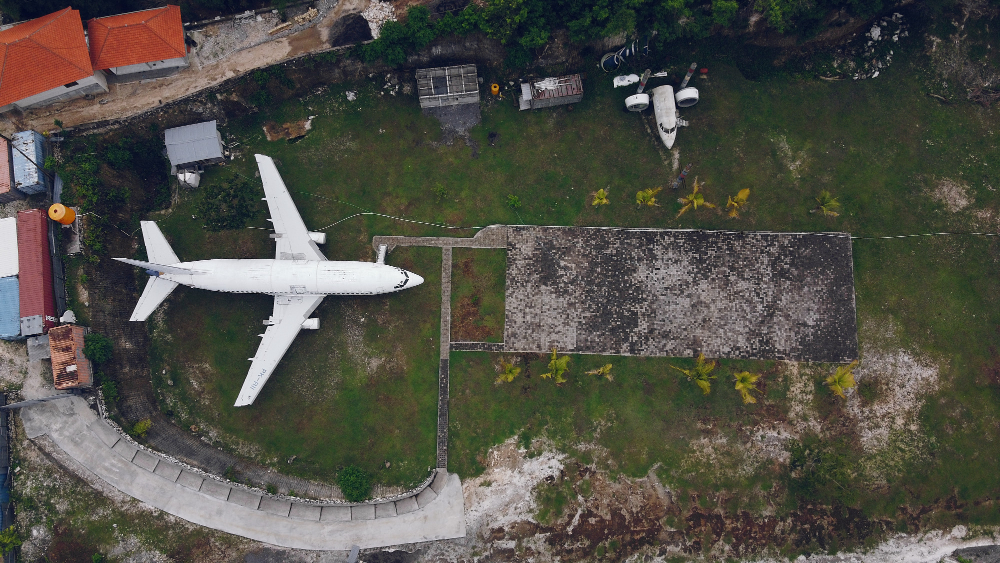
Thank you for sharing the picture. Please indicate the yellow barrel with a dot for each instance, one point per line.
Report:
(495, 89)
(62, 214)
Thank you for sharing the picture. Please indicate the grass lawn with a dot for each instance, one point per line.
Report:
(362, 389)
(477, 294)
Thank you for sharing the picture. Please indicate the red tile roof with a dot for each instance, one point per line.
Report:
(139, 37)
(70, 367)
(43, 53)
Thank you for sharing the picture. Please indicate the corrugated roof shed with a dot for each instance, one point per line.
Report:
(193, 143)
(70, 368)
(41, 54)
(8, 247)
(38, 304)
(27, 151)
(10, 309)
(138, 37)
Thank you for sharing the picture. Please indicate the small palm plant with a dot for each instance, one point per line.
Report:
(694, 200)
(647, 197)
(557, 367)
(745, 383)
(701, 374)
(737, 203)
(828, 204)
(603, 371)
(507, 372)
(601, 197)
(842, 379)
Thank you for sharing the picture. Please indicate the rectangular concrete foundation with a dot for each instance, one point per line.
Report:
(145, 460)
(649, 292)
(244, 498)
(215, 489)
(275, 506)
(305, 512)
(190, 480)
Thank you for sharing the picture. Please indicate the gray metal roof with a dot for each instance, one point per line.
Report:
(193, 143)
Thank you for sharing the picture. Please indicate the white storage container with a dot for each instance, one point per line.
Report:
(8, 248)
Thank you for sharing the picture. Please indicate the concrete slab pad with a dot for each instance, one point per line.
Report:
(307, 511)
(168, 470)
(125, 449)
(440, 480)
(145, 460)
(385, 510)
(107, 434)
(190, 480)
(425, 497)
(242, 497)
(336, 514)
(672, 293)
(406, 505)
(275, 506)
(38, 348)
(363, 512)
(215, 489)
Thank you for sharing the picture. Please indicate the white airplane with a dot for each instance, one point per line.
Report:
(299, 278)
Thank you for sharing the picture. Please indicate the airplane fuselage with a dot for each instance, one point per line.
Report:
(300, 277)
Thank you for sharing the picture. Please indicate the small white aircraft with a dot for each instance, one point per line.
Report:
(299, 278)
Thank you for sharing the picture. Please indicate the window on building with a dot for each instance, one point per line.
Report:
(71, 84)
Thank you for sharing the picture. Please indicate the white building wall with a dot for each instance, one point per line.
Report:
(178, 63)
(84, 86)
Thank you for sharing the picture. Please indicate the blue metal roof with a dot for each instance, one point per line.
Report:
(10, 309)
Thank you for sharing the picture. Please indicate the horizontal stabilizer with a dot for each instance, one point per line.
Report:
(149, 266)
(157, 289)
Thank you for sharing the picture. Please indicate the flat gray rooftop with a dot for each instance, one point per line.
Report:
(647, 292)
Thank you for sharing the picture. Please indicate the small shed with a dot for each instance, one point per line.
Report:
(10, 309)
(447, 86)
(28, 155)
(193, 145)
(8, 192)
(38, 303)
(552, 91)
(70, 368)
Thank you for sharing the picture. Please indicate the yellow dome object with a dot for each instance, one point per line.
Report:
(495, 89)
(62, 214)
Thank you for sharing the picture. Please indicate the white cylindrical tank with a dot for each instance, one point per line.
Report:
(686, 97)
(637, 102)
(666, 114)
(189, 178)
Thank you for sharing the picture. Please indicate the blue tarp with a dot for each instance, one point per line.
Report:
(10, 309)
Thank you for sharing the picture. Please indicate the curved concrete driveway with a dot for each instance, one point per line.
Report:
(436, 513)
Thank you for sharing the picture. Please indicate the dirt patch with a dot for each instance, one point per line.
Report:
(466, 319)
(953, 194)
(291, 131)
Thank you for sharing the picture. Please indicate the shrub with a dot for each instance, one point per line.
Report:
(9, 540)
(110, 391)
(228, 205)
(142, 427)
(97, 348)
(355, 483)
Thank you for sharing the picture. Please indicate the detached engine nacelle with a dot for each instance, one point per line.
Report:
(311, 324)
(318, 238)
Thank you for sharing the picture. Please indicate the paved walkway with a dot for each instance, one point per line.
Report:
(436, 512)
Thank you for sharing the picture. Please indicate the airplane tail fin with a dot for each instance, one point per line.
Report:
(157, 248)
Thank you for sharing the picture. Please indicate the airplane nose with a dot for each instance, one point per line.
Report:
(415, 280)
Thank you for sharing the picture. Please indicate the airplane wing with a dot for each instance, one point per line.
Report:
(291, 234)
(290, 311)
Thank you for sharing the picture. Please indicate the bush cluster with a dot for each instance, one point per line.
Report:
(228, 204)
(355, 483)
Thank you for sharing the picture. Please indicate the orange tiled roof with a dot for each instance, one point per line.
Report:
(43, 53)
(139, 37)
(70, 368)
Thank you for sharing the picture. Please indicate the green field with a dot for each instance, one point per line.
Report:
(362, 389)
